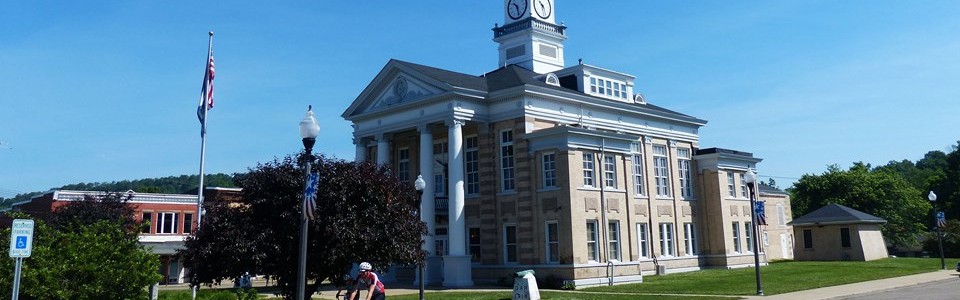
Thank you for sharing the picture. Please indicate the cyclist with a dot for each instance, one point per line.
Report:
(375, 288)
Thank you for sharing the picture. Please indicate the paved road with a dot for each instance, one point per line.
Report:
(938, 290)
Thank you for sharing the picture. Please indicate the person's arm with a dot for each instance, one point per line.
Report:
(370, 290)
(356, 290)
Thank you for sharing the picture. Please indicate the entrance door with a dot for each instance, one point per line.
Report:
(785, 246)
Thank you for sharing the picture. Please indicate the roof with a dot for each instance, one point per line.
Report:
(512, 76)
(766, 189)
(836, 214)
(452, 78)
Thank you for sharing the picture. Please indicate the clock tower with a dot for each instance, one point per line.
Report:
(530, 36)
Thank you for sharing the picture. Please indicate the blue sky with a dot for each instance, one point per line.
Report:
(94, 91)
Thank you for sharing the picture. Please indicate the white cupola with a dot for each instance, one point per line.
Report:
(530, 36)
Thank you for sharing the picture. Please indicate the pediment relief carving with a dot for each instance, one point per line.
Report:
(402, 88)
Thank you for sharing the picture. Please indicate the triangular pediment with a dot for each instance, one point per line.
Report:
(395, 85)
(402, 88)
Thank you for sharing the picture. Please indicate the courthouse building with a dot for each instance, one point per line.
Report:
(560, 168)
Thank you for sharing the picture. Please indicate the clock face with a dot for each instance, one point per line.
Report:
(516, 9)
(543, 8)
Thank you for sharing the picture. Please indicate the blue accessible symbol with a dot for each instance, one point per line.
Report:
(21, 242)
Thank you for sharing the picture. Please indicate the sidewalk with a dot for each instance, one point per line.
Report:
(393, 289)
(865, 287)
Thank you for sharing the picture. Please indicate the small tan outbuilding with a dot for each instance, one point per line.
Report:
(837, 232)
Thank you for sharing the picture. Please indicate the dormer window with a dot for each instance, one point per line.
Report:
(608, 88)
(552, 79)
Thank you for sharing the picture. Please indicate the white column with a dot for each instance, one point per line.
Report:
(457, 266)
(383, 149)
(456, 227)
(427, 203)
(361, 153)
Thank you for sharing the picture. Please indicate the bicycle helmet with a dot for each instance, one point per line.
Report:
(365, 266)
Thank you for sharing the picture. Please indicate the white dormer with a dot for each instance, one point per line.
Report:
(601, 82)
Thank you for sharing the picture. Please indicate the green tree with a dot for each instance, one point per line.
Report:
(364, 214)
(881, 193)
(84, 253)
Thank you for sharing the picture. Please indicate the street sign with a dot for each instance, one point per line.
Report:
(21, 238)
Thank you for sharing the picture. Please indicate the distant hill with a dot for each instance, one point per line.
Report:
(166, 185)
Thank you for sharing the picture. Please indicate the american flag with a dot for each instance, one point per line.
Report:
(310, 196)
(941, 219)
(206, 94)
(761, 213)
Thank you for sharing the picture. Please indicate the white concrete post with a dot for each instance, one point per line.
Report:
(457, 267)
(383, 149)
(427, 203)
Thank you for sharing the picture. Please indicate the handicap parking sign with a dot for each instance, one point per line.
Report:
(21, 238)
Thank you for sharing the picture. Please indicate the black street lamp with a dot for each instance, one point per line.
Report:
(420, 184)
(936, 219)
(751, 179)
(308, 131)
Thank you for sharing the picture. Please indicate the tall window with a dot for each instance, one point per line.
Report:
(610, 171)
(440, 149)
(731, 185)
(690, 238)
(510, 243)
(403, 164)
(683, 166)
(167, 222)
(642, 240)
(736, 237)
(807, 239)
(474, 240)
(549, 163)
(613, 240)
(743, 186)
(439, 185)
(593, 249)
(661, 170)
(506, 160)
(471, 161)
(147, 218)
(440, 244)
(781, 215)
(845, 237)
(747, 226)
(187, 223)
(638, 174)
(666, 239)
(588, 170)
(553, 242)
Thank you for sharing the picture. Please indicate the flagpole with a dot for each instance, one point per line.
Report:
(203, 132)
(203, 144)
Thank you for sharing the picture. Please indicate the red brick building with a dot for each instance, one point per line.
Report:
(172, 218)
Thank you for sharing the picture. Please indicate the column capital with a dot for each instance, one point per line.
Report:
(383, 136)
(647, 139)
(454, 121)
(423, 127)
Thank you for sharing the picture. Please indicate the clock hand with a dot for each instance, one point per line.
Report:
(516, 7)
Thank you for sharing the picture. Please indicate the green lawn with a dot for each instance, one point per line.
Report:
(778, 278)
(551, 295)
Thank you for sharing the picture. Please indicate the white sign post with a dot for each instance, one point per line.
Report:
(21, 245)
